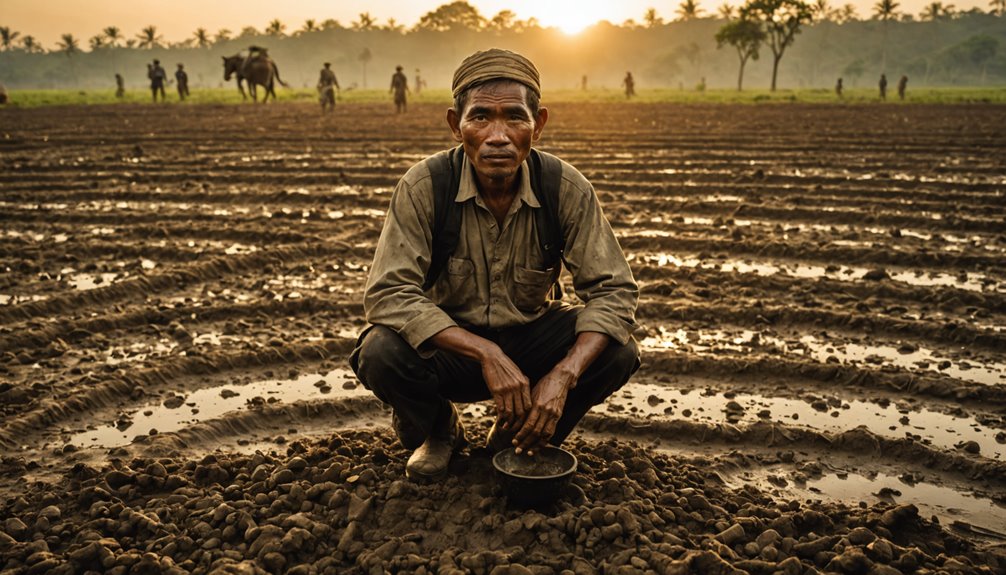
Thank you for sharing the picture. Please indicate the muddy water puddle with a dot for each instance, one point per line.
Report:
(179, 411)
(965, 281)
(829, 415)
(903, 356)
(948, 504)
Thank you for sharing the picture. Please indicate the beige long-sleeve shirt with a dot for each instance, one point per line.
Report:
(496, 277)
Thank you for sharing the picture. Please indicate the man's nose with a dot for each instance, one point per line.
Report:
(497, 134)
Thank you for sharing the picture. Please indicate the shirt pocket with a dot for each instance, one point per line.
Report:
(531, 288)
(456, 283)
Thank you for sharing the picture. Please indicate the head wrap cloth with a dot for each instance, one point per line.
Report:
(495, 64)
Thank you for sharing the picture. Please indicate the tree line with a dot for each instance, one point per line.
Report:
(940, 45)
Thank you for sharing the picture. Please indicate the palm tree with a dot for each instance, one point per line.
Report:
(112, 35)
(726, 11)
(394, 26)
(68, 44)
(7, 37)
(366, 22)
(149, 38)
(847, 13)
(885, 10)
(31, 45)
(275, 28)
(201, 38)
(997, 7)
(310, 25)
(823, 11)
(222, 35)
(97, 42)
(688, 10)
(652, 19)
(936, 11)
(364, 57)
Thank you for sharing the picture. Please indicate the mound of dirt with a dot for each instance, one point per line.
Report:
(342, 505)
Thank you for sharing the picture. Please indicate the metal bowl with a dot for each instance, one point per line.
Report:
(534, 481)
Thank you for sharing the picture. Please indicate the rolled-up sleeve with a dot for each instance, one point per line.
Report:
(394, 295)
(601, 275)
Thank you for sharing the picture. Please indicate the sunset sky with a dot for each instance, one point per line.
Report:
(175, 20)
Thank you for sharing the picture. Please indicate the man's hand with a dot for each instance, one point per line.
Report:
(548, 399)
(510, 388)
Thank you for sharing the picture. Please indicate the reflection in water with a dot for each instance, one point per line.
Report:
(177, 412)
(947, 504)
(822, 414)
(916, 359)
(969, 282)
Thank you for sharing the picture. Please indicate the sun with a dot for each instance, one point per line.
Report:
(570, 17)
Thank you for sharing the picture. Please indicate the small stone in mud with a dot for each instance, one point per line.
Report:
(349, 384)
(174, 402)
(227, 393)
(654, 400)
(1001, 437)
(877, 274)
(970, 446)
(907, 348)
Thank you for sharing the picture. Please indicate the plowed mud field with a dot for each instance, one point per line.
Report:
(823, 319)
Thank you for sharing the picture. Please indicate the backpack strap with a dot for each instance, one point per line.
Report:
(546, 179)
(445, 173)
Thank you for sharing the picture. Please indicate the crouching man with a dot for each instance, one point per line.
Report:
(462, 296)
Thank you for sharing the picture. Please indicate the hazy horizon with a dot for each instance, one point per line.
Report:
(46, 20)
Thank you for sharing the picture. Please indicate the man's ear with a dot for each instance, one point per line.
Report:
(539, 123)
(454, 121)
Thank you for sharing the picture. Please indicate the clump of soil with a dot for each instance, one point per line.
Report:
(342, 505)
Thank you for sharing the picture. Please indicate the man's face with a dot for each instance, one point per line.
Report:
(497, 128)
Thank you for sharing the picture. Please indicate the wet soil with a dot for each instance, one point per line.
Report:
(823, 318)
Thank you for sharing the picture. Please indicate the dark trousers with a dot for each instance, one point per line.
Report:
(420, 390)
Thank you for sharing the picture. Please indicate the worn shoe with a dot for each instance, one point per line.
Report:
(499, 439)
(429, 462)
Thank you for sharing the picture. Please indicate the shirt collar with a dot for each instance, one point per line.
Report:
(468, 190)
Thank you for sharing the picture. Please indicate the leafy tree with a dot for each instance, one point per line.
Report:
(68, 45)
(330, 24)
(113, 35)
(275, 28)
(31, 45)
(365, 57)
(854, 70)
(7, 37)
(726, 11)
(979, 49)
(97, 42)
(503, 20)
(452, 16)
(149, 38)
(201, 38)
(652, 19)
(997, 7)
(746, 37)
(248, 32)
(688, 10)
(222, 35)
(782, 20)
(366, 22)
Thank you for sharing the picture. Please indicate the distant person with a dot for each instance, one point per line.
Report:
(583, 83)
(120, 86)
(4, 98)
(883, 87)
(838, 88)
(630, 85)
(327, 85)
(157, 77)
(902, 84)
(400, 87)
(420, 83)
(182, 79)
